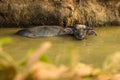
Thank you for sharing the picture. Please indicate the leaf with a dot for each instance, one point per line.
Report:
(45, 58)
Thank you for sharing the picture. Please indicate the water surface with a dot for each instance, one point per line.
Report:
(92, 50)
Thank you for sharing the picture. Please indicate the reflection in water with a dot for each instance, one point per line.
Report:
(92, 50)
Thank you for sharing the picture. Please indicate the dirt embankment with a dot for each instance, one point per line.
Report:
(19, 13)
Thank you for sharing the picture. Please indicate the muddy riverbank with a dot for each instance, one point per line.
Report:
(26, 13)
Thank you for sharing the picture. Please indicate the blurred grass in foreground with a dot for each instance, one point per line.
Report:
(37, 66)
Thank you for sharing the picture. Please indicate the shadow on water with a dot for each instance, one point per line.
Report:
(92, 50)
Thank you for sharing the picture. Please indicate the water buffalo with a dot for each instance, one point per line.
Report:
(44, 31)
(78, 31)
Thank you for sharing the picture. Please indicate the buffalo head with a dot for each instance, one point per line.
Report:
(80, 31)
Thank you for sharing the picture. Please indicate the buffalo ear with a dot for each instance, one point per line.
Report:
(68, 30)
(92, 32)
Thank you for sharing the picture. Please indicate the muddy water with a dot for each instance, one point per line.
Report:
(92, 50)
